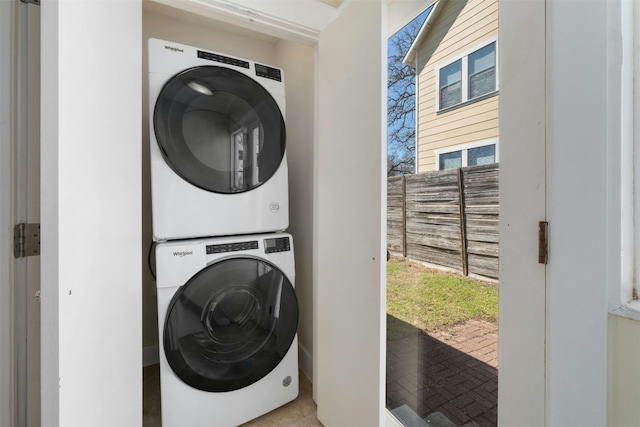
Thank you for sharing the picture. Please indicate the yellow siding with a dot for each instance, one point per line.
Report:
(460, 27)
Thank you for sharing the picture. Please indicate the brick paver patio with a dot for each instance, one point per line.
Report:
(454, 371)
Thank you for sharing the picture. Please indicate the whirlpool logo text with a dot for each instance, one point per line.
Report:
(174, 49)
(182, 253)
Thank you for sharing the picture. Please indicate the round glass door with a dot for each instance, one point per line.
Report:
(230, 324)
(219, 129)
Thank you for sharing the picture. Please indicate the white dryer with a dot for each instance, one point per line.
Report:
(228, 315)
(217, 144)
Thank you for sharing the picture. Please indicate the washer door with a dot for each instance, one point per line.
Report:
(219, 129)
(230, 324)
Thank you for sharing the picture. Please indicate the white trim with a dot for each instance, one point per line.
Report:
(7, 148)
(467, 52)
(522, 298)
(465, 148)
(305, 360)
(300, 20)
(465, 77)
(411, 58)
(631, 122)
(624, 199)
(464, 56)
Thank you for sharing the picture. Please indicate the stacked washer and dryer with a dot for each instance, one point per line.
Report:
(227, 309)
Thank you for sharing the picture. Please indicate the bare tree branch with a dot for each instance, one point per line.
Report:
(401, 103)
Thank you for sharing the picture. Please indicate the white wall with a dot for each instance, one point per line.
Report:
(298, 62)
(577, 213)
(91, 210)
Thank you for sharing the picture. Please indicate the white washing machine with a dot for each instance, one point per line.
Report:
(228, 315)
(217, 144)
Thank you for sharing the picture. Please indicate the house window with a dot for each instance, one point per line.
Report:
(474, 154)
(482, 155)
(451, 84)
(469, 77)
(482, 71)
(623, 229)
(450, 160)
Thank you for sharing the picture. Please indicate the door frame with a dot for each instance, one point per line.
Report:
(523, 117)
(20, 195)
(8, 384)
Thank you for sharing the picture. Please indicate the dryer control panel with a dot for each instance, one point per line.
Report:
(279, 244)
(268, 72)
(231, 247)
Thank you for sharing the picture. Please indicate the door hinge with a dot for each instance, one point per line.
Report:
(543, 242)
(26, 240)
(36, 2)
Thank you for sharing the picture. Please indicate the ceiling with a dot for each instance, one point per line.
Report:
(294, 20)
(334, 3)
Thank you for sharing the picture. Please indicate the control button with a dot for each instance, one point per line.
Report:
(232, 247)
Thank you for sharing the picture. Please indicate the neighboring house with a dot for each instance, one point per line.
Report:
(455, 55)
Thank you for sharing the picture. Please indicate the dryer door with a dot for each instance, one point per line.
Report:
(230, 324)
(219, 129)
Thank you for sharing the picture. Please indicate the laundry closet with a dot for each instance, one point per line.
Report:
(227, 309)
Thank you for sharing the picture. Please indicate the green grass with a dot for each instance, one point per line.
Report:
(419, 298)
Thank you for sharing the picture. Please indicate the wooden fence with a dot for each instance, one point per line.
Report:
(448, 218)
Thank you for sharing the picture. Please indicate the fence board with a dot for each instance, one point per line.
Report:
(396, 215)
(450, 259)
(483, 266)
(424, 218)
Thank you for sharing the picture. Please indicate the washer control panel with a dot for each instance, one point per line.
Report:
(232, 247)
(279, 244)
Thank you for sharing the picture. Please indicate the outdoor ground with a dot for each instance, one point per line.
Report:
(442, 344)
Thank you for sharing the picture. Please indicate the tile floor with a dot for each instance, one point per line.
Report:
(454, 372)
(301, 412)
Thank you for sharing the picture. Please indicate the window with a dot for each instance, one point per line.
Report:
(623, 232)
(474, 154)
(482, 155)
(482, 71)
(468, 78)
(450, 160)
(451, 84)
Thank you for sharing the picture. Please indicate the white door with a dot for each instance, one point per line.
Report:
(521, 380)
(558, 161)
(350, 187)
